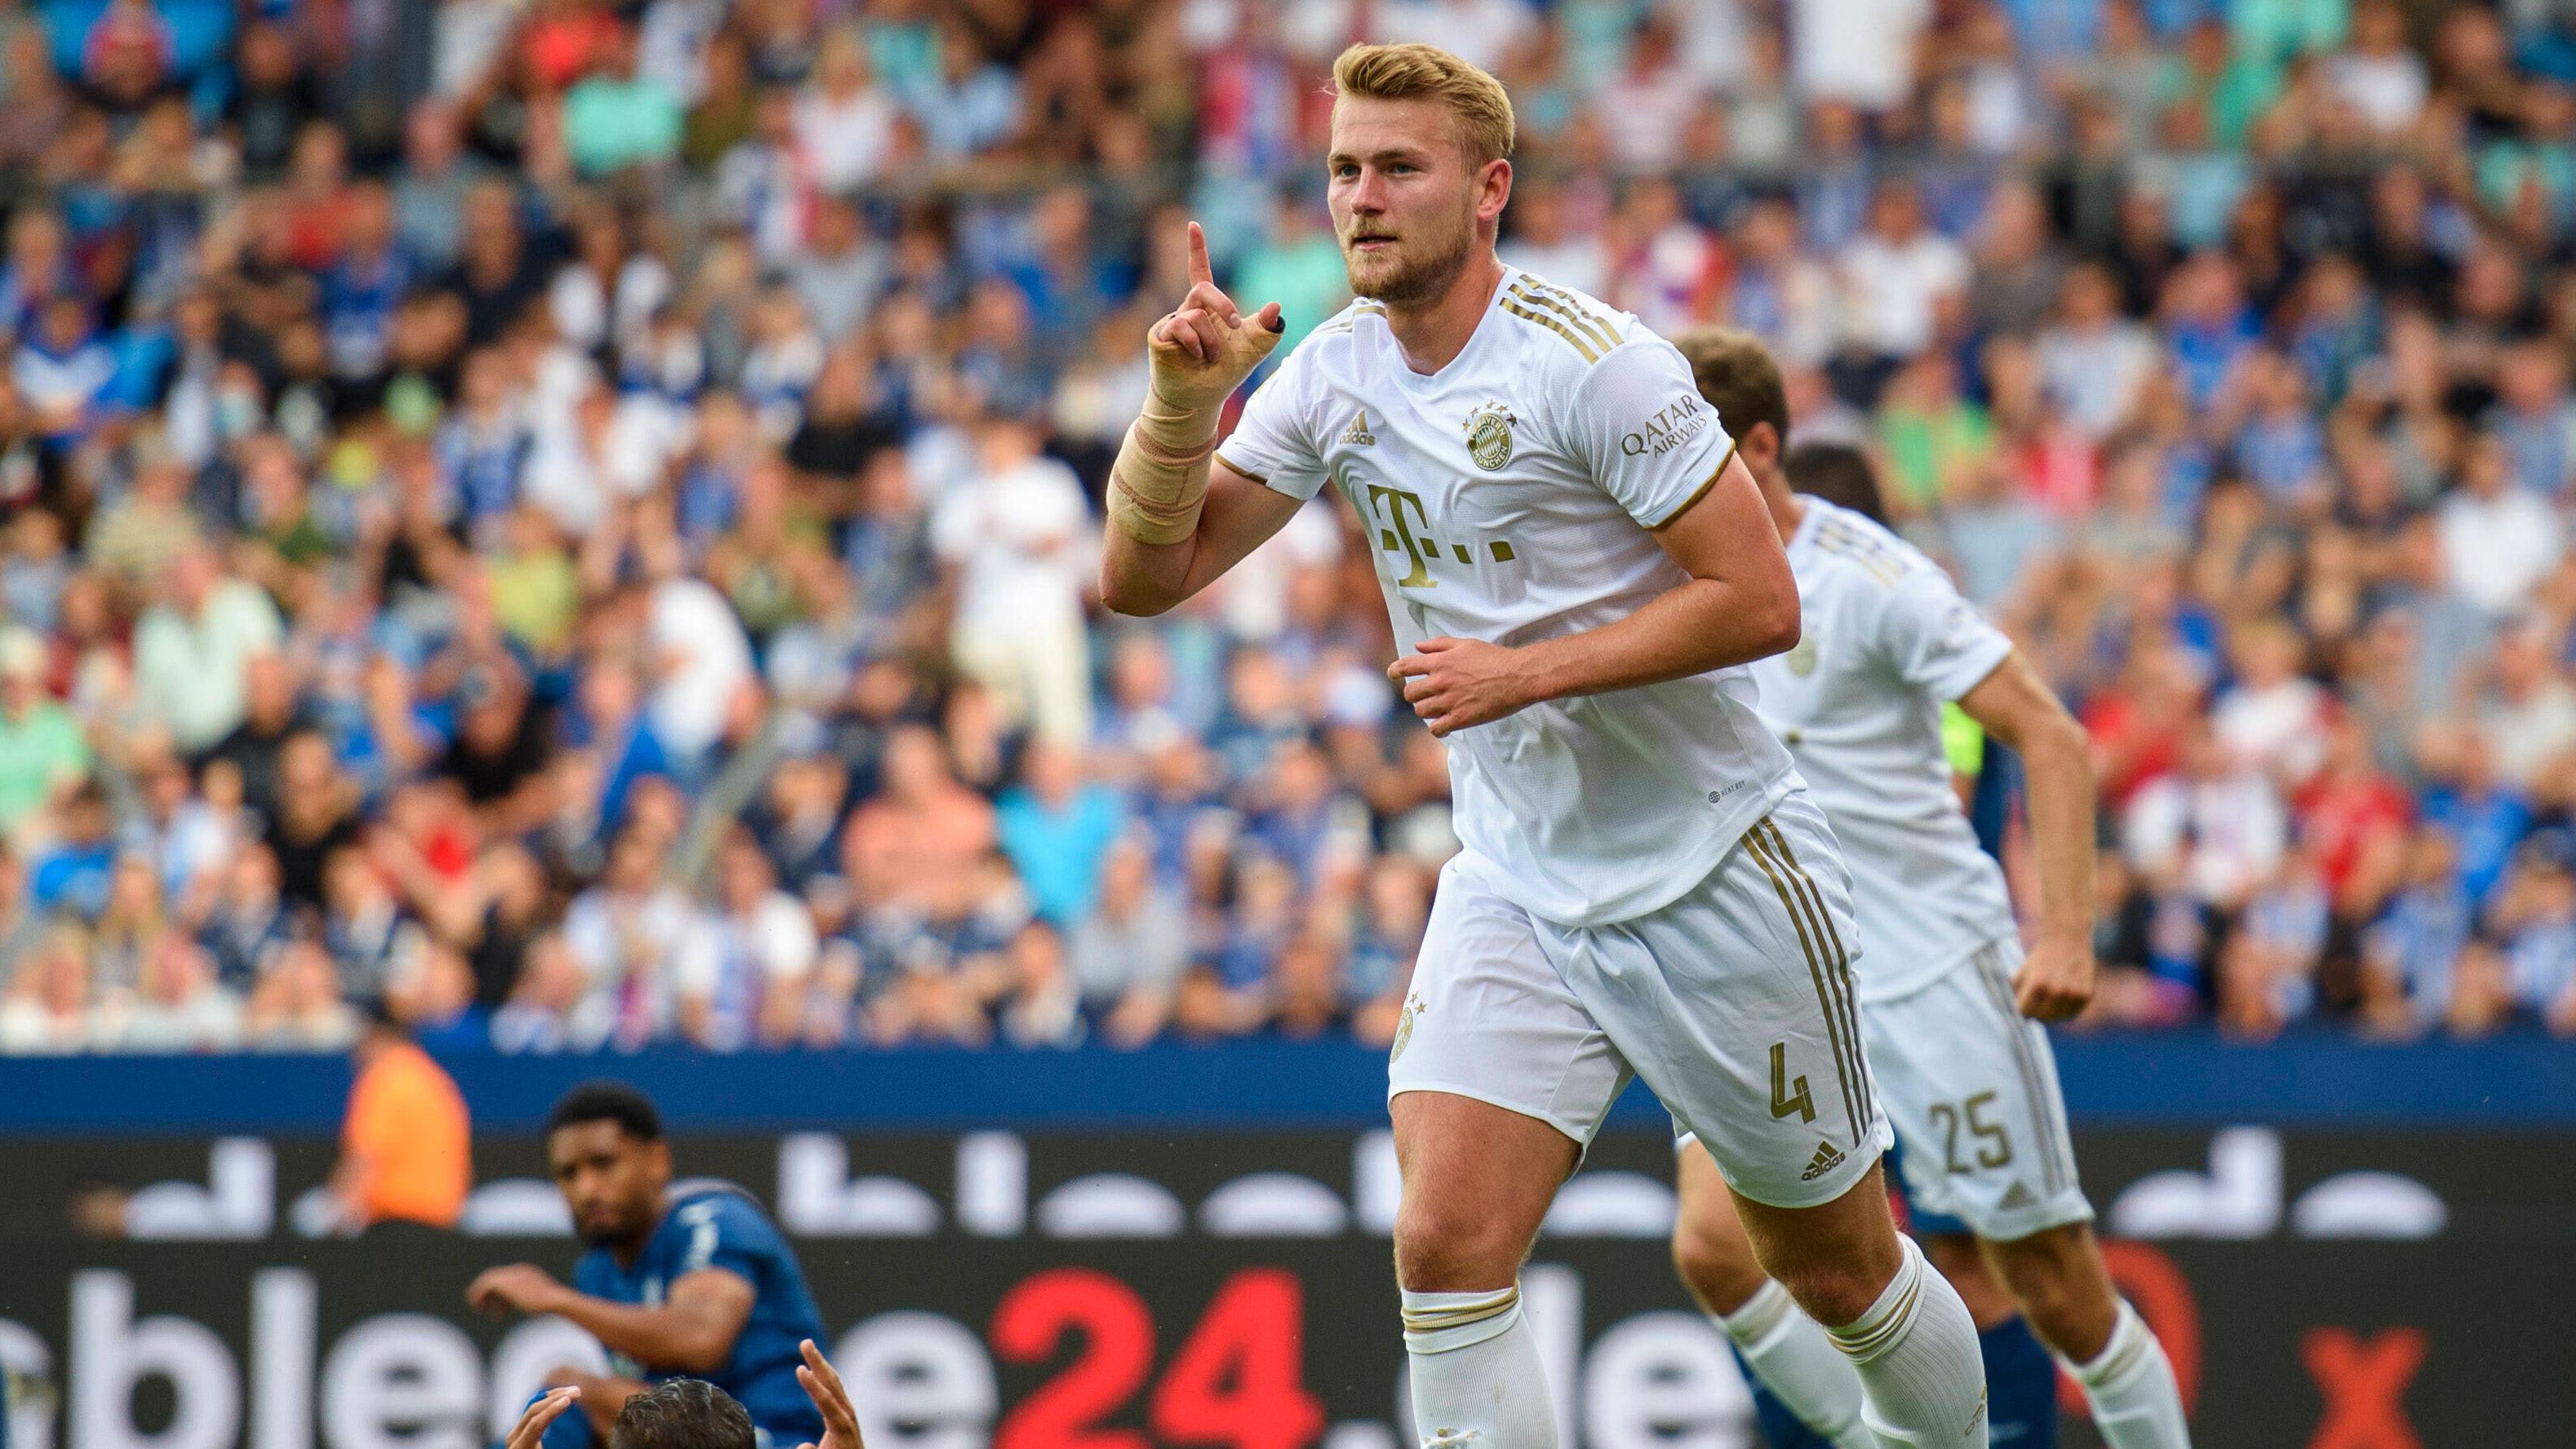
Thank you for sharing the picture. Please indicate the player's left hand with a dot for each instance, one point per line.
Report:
(523, 1287)
(822, 1384)
(1454, 684)
(2056, 979)
(530, 1431)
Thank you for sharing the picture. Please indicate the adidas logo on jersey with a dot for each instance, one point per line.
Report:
(1827, 1159)
(2016, 1196)
(1358, 434)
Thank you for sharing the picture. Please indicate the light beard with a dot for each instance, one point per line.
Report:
(1415, 280)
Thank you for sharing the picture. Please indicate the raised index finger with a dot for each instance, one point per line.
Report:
(1200, 271)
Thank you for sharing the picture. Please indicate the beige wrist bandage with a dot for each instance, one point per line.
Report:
(1160, 478)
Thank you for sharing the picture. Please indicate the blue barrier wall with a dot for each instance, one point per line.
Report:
(2174, 1079)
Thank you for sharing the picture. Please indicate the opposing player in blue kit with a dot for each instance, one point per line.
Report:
(686, 1279)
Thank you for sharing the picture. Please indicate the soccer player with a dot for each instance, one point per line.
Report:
(688, 1281)
(1577, 570)
(695, 1414)
(1950, 1006)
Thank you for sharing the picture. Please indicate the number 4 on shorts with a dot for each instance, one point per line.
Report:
(1783, 1101)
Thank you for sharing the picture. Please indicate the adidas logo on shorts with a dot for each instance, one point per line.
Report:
(1826, 1160)
(2016, 1196)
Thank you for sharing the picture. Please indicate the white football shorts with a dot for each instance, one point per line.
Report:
(1972, 1087)
(1735, 1003)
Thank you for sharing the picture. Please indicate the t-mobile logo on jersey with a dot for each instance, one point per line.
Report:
(1416, 544)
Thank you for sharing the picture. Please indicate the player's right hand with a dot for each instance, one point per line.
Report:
(523, 1287)
(2056, 979)
(822, 1384)
(530, 1431)
(1204, 350)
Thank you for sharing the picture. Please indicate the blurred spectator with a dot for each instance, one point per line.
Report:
(1239, 990)
(2095, 361)
(1128, 954)
(42, 753)
(2274, 719)
(1018, 535)
(739, 973)
(2268, 964)
(699, 659)
(72, 875)
(1860, 51)
(1045, 1001)
(1055, 826)
(192, 650)
(840, 269)
(181, 1007)
(2527, 709)
(1894, 274)
(405, 1143)
(2481, 814)
(1299, 266)
(615, 117)
(915, 846)
(316, 815)
(2212, 828)
(844, 121)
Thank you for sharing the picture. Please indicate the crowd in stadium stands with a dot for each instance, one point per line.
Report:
(572, 522)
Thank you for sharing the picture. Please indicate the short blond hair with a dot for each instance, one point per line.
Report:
(1482, 108)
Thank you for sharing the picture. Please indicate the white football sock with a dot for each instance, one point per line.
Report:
(2130, 1385)
(1476, 1376)
(1789, 1352)
(1922, 1378)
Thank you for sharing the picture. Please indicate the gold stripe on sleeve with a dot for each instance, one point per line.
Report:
(1589, 325)
(1552, 325)
(1697, 493)
(1242, 473)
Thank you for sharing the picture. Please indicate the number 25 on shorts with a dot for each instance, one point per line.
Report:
(1783, 1100)
(1997, 1150)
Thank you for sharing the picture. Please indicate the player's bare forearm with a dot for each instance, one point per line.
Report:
(692, 1332)
(1167, 534)
(1144, 579)
(1740, 604)
(2016, 706)
(1702, 625)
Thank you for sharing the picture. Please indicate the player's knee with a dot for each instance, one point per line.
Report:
(1834, 1290)
(1717, 1266)
(2061, 1287)
(1445, 1247)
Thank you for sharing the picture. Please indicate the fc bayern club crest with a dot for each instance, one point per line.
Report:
(1489, 437)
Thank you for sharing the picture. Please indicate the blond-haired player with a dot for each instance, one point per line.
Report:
(1577, 570)
(1950, 1004)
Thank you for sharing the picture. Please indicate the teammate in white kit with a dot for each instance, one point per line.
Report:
(1950, 1008)
(1577, 570)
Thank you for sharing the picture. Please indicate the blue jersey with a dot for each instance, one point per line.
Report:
(716, 1225)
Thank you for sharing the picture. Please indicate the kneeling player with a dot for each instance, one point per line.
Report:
(692, 1281)
(1947, 1000)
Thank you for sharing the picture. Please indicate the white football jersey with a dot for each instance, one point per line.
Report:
(1887, 640)
(1512, 497)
